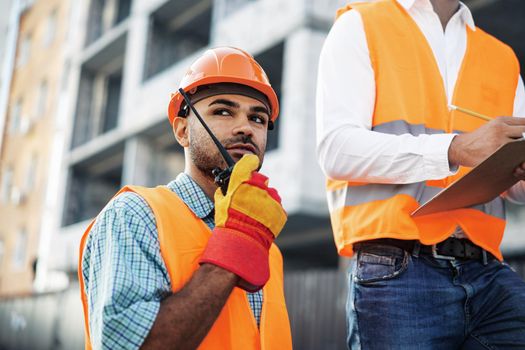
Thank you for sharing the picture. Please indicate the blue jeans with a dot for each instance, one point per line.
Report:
(400, 301)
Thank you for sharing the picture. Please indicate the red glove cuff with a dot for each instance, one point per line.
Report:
(239, 253)
(249, 226)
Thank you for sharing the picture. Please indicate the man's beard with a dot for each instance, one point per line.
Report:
(206, 156)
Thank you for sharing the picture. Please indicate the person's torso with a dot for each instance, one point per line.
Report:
(411, 98)
(182, 236)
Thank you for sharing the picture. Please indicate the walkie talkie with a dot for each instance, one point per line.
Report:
(222, 176)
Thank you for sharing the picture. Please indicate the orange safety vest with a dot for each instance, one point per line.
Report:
(183, 237)
(411, 98)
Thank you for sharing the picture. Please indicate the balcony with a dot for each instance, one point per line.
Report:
(177, 29)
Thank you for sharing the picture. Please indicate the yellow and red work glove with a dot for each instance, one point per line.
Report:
(247, 220)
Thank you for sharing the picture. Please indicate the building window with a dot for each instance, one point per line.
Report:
(97, 106)
(7, 184)
(20, 251)
(16, 117)
(25, 51)
(111, 108)
(91, 185)
(104, 15)
(271, 61)
(42, 100)
(31, 173)
(123, 10)
(177, 29)
(224, 8)
(49, 35)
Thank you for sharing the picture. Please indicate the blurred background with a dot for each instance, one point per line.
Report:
(84, 87)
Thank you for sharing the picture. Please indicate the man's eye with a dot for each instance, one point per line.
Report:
(258, 119)
(222, 111)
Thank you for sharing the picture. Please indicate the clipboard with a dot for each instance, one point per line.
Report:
(482, 184)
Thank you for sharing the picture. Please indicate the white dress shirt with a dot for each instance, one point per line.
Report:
(347, 149)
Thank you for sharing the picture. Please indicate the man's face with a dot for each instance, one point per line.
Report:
(240, 123)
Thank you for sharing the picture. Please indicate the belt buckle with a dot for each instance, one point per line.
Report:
(439, 256)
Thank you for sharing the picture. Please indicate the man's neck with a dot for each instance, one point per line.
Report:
(445, 9)
(207, 184)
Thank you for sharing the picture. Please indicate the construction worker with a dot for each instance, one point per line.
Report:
(187, 266)
(388, 142)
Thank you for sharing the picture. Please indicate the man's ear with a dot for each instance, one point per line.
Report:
(180, 130)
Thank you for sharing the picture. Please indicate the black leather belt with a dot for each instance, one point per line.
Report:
(450, 249)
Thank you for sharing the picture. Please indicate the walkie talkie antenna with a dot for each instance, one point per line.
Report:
(229, 160)
(222, 176)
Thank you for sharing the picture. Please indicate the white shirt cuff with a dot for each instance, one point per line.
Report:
(435, 155)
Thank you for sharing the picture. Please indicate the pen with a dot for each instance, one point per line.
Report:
(474, 114)
(469, 112)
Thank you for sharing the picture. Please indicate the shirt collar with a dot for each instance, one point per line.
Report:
(464, 11)
(191, 194)
(466, 16)
(407, 4)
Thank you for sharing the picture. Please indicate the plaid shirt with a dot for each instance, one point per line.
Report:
(125, 277)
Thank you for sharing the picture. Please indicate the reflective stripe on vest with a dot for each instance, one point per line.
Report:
(182, 237)
(411, 99)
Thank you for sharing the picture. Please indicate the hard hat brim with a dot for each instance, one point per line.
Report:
(177, 99)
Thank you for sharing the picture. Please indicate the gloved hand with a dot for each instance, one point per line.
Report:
(247, 220)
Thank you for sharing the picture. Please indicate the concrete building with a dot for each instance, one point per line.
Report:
(28, 153)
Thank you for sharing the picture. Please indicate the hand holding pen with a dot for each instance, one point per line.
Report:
(471, 148)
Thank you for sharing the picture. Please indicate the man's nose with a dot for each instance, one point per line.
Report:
(243, 127)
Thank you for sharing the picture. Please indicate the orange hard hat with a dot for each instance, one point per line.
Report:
(224, 65)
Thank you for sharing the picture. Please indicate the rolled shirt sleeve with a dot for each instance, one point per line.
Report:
(125, 276)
